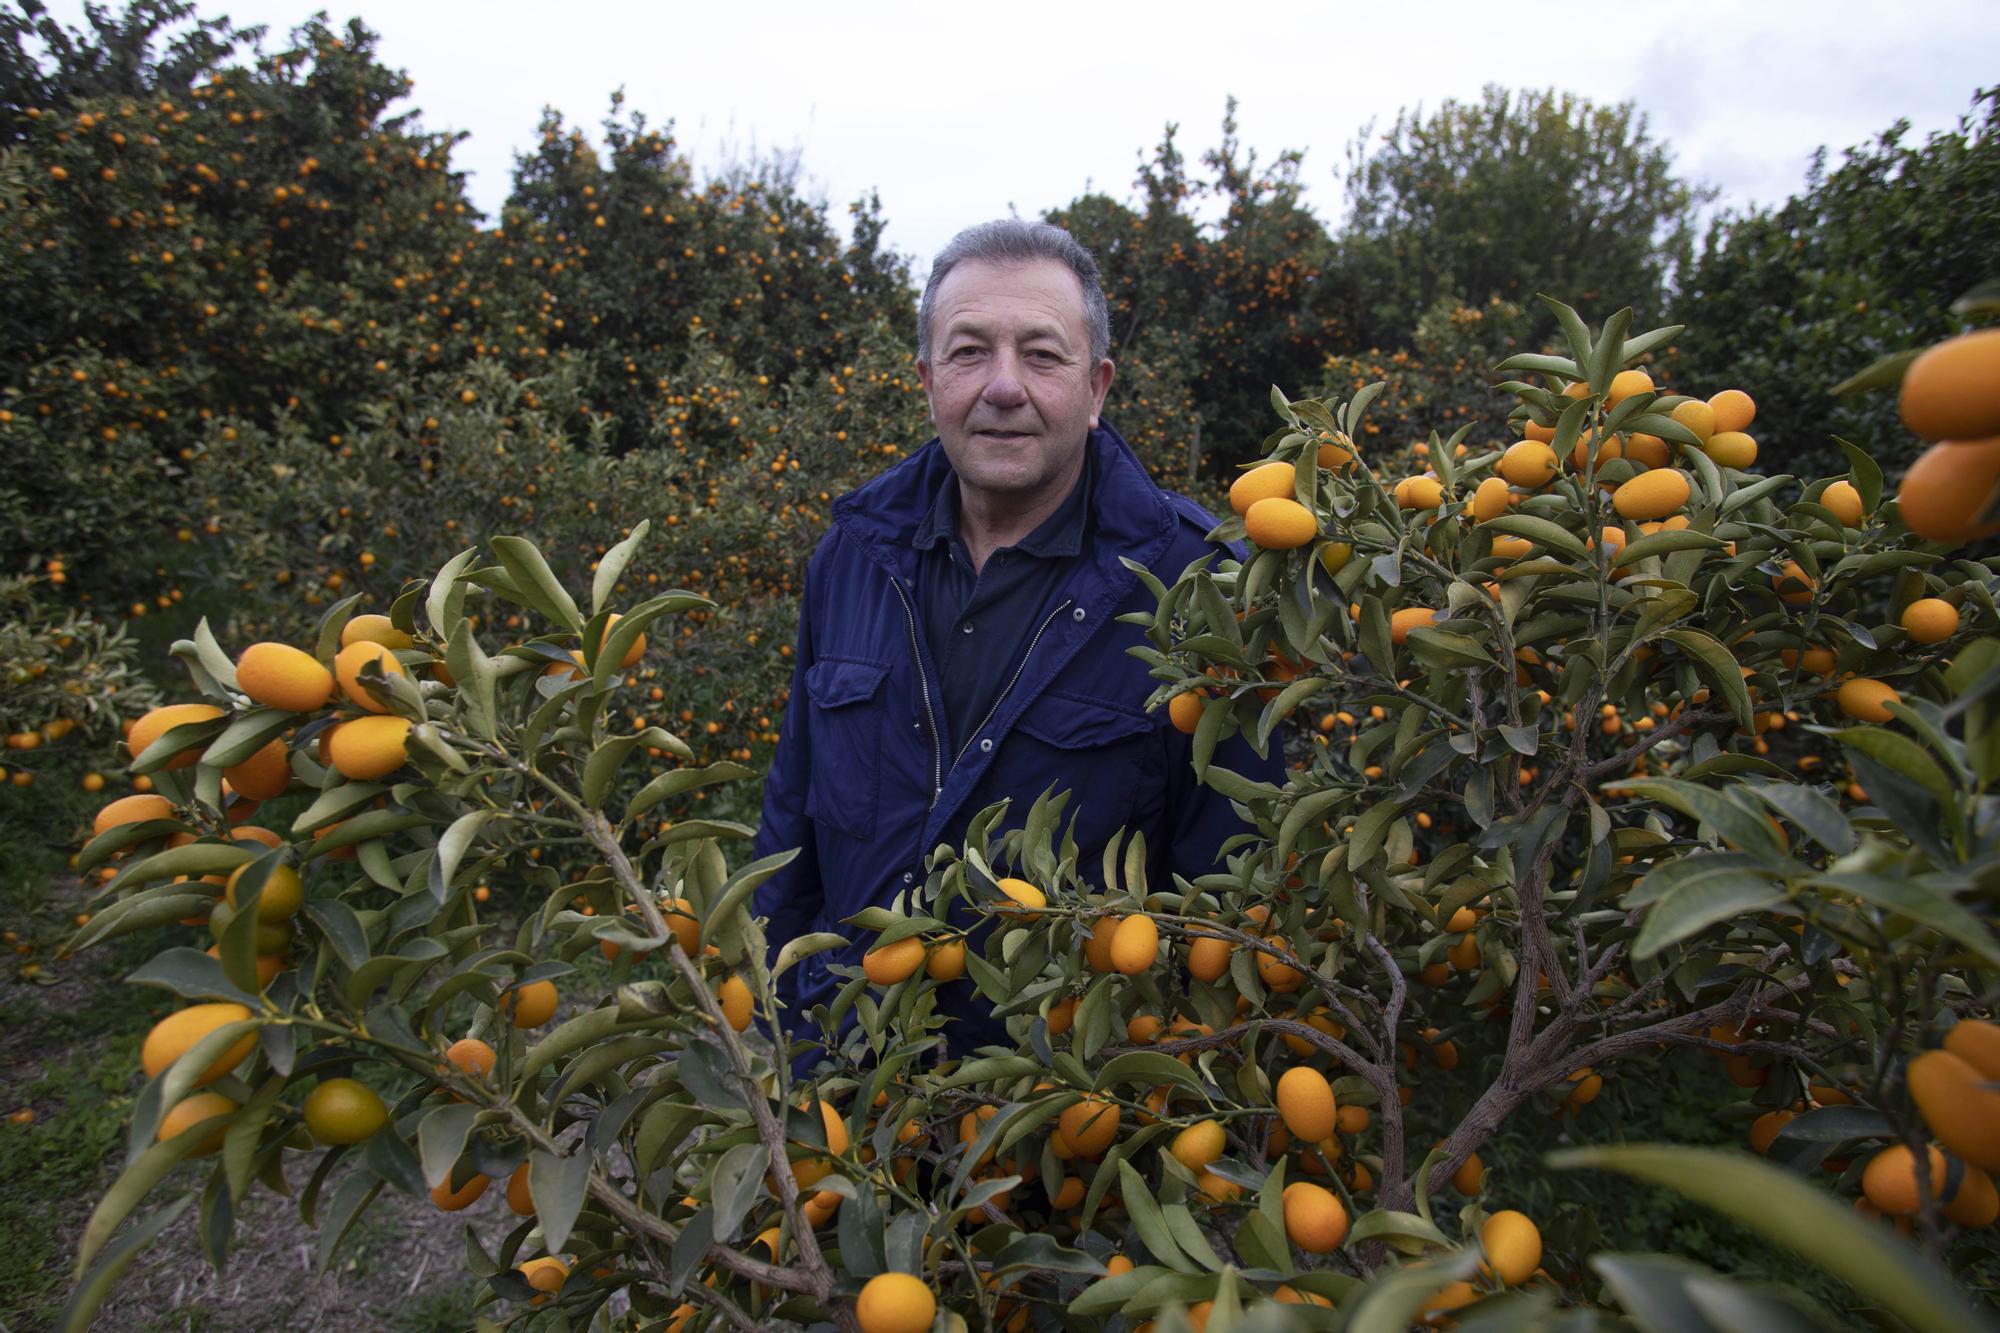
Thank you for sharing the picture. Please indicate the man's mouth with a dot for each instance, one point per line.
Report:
(1003, 436)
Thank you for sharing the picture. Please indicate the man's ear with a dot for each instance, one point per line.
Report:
(1100, 385)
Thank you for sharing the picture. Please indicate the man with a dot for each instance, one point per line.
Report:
(958, 641)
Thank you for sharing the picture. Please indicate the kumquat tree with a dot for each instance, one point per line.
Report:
(1626, 758)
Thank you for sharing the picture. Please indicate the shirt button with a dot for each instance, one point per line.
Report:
(966, 628)
(986, 745)
(908, 877)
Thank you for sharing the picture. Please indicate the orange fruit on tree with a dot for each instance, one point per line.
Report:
(470, 1055)
(1090, 1125)
(457, 1200)
(1529, 464)
(284, 893)
(1280, 524)
(265, 775)
(1867, 700)
(1650, 450)
(347, 667)
(812, 1169)
(367, 748)
(1198, 1145)
(1405, 619)
(531, 1005)
(1419, 493)
(1306, 1104)
(1731, 448)
(1208, 958)
(1889, 1181)
(1952, 391)
(1263, 482)
(164, 719)
(1315, 1218)
(344, 1110)
(1627, 384)
(1795, 587)
(546, 1275)
(1734, 410)
(1976, 1203)
(1930, 619)
(1184, 711)
(946, 962)
(1513, 1245)
(1844, 500)
(1945, 493)
(1962, 1113)
(895, 1303)
(177, 1033)
(633, 651)
(374, 629)
(191, 1111)
(1278, 975)
(278, 675)
(1489, 500)
(888, 964)
(734, 998)
(1027, 895)
(132, 810)
(1135, 945)
(1697, 416)
(1471, 1174)
(1977, 1042)
(1653, 494)
(520, 1197)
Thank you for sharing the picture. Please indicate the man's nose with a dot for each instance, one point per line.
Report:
(1004, 387)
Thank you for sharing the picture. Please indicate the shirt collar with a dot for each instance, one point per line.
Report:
(1060, 534)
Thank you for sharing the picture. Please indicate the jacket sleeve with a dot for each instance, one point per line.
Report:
(791, 899)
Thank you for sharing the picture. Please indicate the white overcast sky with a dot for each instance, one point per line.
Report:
(959, 113)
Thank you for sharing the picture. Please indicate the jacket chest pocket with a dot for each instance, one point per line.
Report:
(847, 721)
(1107, 757)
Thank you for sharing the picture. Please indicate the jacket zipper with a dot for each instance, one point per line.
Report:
(923, 681)
(1023, 666)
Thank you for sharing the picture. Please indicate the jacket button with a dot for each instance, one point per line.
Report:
(909, 877)
(1077, 614)
(986, 745)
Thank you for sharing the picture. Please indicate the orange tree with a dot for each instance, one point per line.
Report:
(1254, 1099)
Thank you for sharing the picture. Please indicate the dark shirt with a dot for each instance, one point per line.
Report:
(980, 625)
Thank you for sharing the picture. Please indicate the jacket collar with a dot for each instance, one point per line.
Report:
(889, 515)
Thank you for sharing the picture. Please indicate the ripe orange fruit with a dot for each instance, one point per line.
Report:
(265, 775)
(1513, 1245)
(278, 675)
(1407, 618)
(1845, 501)
(1653, 494)
(132, 810)
(1961, 1112)
(1471, 1174)
(1952, 391)
(1731, 448)
(470, 1055)
(191, 1111)
(1489, 501)
(520, 1198)
(344, 1110)
(1278, 976)
(452, 1201)
(1867, 700)
(1795, 587)
(1263, 482)
(1627, 384)
(163, 720)
(1976, 1204)
(1333, 557)
(1097, 944)
(813, 1168)
(1315, 1218)
(1419, 493)
(1208, 958)
(736, 1002)
(531, 1005)
(374, 629)
(284, 894)
(890, 963)
(347, 665)
(546, 1275)
(1890, 1179)
(1027, 895)
(1199, 1144)
(1930, 619)
(1089, 1126)
(1734, 410)
(1280, 524)
(1946, 491)
(367, 748)
(895, 1303)
(1976, 1042)
(947, 961)
(1698, 417)
(1529, 464)
(1184, 711)
(1306, 1104)
(1135, 945)
(176, 1035)
(1650, 450)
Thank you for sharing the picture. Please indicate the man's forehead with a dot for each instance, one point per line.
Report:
(1044, 291)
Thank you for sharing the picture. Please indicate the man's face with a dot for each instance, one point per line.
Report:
(1012, 389)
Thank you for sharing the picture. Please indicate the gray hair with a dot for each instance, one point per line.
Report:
(1011, 241)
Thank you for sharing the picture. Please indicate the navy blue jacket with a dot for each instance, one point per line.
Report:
(861, 783)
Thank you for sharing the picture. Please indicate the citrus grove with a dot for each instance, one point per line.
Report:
(1536, 845)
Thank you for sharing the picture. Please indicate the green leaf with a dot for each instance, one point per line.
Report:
(250, 732)
(734, 1184)
(1147, 1069)
(134, 1183)
(447, 595)
(1542, 532)
(558, 1184)
(1701, 899)
(1886, 373)
(539, 588)
(1801, 1217)
(1717, 668)
(1664, 1293)
(1148, 1221)
(190, 973)
(676, 781)
(1442, 648)
(1902, 754)
(441, 1136)
(1389, 1304)
(612, 564)
(1388, 1224)
(801, 947)
(81, 1309)
(1920, 902)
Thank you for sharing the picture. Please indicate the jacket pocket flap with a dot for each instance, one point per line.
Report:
(1071, 722)
(835, 684)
